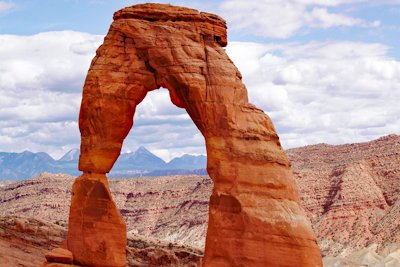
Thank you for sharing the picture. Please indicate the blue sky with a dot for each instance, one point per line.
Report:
(324, 70)
(34, 16)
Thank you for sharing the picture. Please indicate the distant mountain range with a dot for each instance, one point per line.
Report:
(18, 166)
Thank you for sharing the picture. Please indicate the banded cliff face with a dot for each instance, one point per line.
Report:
(170, 208)
(351, 192)
(255, 217)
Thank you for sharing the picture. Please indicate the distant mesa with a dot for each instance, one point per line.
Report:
(351, 192)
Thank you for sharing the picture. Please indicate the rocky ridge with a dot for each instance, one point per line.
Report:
(24, 241)
(351, 192)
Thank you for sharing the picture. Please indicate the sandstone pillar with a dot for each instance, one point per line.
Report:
(96, 230)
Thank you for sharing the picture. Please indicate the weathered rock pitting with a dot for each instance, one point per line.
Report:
(255, 217)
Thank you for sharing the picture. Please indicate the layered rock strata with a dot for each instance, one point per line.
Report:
(255, 218)
(25, 241)
(351, 192)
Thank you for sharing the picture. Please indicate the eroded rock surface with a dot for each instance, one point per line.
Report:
(175, 208)
(96, 229)
(24, 242)
(351, 192)
(255, 217)
(60, 255)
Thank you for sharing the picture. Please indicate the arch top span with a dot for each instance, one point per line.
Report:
(147, 47)
(210, 25)
(255, 217)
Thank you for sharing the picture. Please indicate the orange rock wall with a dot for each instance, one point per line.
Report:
(255, 218)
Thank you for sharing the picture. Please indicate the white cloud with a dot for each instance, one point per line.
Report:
(163, 128)
(331, 92)
(27, 61)
(283, 18)
(6, 6)
(321, 18)
(41, 78)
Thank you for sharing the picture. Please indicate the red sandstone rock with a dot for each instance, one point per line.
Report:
(55, 264)
(24, 242)
(255, 217)
(60, 255)
(175, 208)
(96, 231)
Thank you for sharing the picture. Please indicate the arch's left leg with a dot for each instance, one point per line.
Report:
(113, 88)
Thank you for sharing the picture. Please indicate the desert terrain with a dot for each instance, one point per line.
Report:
(351, 194)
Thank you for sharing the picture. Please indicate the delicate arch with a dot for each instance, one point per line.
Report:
(255, 218)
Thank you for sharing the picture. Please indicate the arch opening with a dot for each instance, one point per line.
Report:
(188, 220)
(166, 130)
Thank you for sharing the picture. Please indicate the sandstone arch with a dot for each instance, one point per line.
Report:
(255, 218)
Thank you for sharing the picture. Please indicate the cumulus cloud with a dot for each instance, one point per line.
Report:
(284, 18)
(41, 78)
(333, 92)
(26, 61)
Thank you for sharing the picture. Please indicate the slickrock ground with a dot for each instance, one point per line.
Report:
(24, 242)
(350, 192)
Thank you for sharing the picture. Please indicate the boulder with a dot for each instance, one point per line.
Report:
(59, 255)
